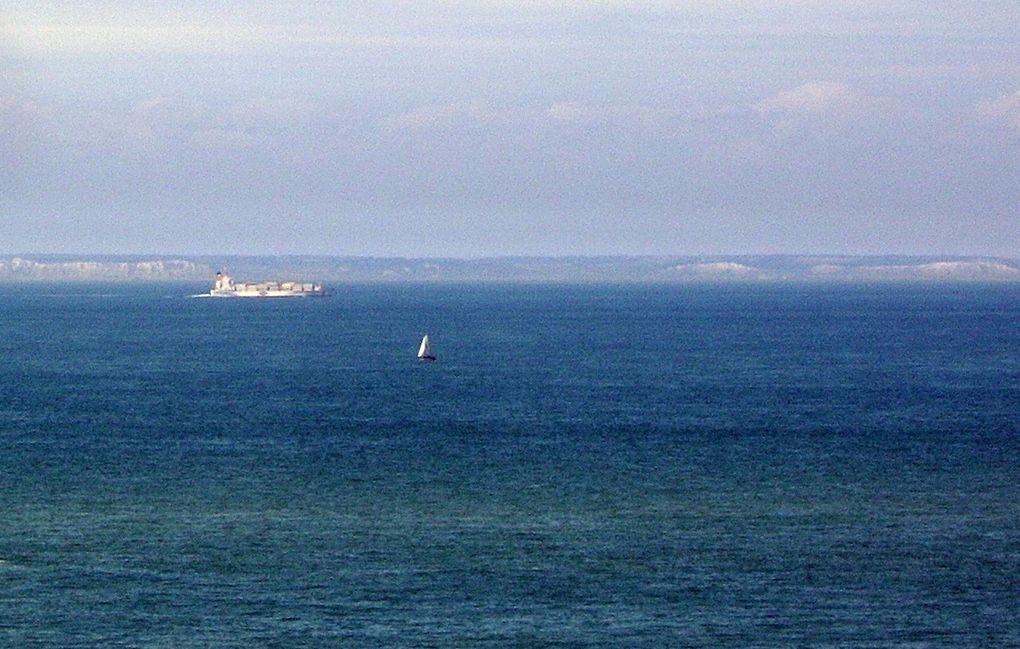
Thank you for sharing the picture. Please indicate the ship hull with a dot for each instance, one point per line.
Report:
(267, 294)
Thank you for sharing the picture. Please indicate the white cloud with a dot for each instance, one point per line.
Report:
(443, 115)
(523, 120)
(827, 103)
(1005, 108)
(620, 114)
(163, 125)
(572, 111)
(168, 36)
(175, 36)
(814, 97)
(665, 122)
(731, 6)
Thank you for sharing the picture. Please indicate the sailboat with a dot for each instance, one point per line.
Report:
(425, 351)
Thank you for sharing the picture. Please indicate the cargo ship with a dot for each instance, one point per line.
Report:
(225, 286)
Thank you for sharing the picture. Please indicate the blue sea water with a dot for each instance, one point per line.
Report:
(585, 466)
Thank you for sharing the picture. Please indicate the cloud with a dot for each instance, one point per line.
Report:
(173, 36)
(813, 97)
(1005, 108)
(104, 37)
(530, 119)
(819, 104)
(572, 111)
(163, 126)
(443, 116)
(647, 118)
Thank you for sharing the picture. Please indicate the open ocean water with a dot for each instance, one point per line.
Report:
(585, 466)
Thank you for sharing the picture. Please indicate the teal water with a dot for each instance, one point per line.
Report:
(585, 466)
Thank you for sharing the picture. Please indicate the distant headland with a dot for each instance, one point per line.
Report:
(709, 269)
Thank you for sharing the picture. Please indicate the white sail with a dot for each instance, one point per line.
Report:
(425, 351)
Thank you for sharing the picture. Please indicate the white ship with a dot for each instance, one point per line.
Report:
(225, 286)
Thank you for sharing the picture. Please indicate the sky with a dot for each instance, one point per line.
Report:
(454, 128)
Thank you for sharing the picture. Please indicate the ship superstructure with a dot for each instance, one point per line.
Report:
(225, 286)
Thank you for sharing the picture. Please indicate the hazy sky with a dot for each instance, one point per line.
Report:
(457, 128)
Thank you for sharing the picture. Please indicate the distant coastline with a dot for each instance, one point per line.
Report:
(692, 269)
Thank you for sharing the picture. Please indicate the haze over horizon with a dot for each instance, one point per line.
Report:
(495, 128)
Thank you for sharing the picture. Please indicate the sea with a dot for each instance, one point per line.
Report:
(585, 465)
